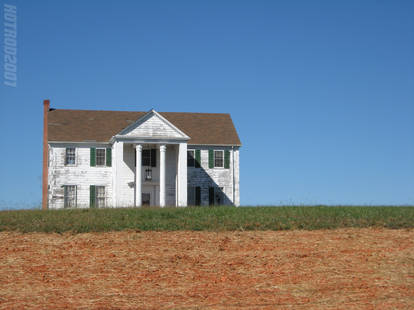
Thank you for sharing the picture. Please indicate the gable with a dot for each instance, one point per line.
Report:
(153, 125)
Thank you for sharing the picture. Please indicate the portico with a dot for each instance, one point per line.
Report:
(155, 152)
(152, 174)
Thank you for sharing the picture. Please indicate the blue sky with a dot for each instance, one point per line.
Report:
(321, 92)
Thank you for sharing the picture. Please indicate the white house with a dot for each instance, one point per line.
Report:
(125, 159)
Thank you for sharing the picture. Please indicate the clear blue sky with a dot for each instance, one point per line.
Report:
(321, 92)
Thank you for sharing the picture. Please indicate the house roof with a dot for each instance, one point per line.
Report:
(101, 126)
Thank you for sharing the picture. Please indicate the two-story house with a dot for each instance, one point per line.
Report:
(126, 159)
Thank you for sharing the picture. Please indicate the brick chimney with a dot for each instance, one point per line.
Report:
(46, 107)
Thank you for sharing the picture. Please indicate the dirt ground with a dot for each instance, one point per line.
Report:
(325, 269)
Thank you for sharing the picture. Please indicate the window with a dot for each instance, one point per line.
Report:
(149, 158)
(219, 159)
(190, 158)
(100, 196)
(69, 196)
(70, 156)
(100, 157)
(146, 157)
(193, 196)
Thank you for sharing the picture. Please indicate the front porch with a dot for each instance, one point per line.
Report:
(150, 173)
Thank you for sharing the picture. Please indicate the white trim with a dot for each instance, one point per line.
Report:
(233, 178)
(147, 140)
(139, 140)
(80, 142)
(219, 145)
(182, 175)
(138, 176)
(163, 150)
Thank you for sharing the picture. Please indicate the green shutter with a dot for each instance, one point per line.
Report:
(109, 157)
(227, 159)
(153, 157)
(197, 159)
(197, 196)
(211, 159)
(211, 196)
(93, 157)
(92, 196)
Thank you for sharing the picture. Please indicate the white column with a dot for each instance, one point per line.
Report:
(182, 175)
(117, 152)
(138, 176)
(162, 175)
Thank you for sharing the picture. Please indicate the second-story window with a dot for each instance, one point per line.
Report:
(190, 158)
(219, 159)
(149, 158)
(100, 157)
(146, 157)
(70, 156)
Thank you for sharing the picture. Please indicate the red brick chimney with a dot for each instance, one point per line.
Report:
(46, 106)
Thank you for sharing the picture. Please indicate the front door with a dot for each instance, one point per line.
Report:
(146, 199)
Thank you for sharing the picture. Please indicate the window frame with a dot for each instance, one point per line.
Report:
(66, 156)
(98, 198)
(104, 157)
(194, 159)
(66, 198)
(222, 158)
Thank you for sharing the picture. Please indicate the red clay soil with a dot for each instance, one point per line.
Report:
(331, 269)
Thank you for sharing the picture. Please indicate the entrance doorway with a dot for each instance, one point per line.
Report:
(146, 199)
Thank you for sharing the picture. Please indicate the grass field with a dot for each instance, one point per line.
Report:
(206, 219)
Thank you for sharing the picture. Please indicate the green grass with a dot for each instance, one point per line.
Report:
(206, 218)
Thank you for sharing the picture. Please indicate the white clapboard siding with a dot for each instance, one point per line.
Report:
(204, 177)
(81, 174)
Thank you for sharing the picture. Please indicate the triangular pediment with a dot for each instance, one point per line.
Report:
(153, 126)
